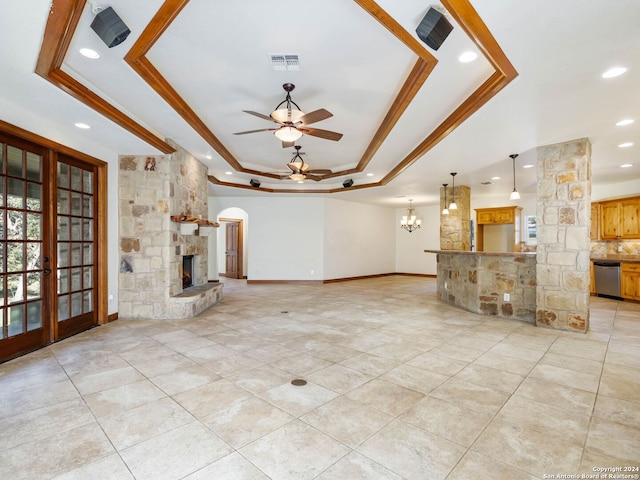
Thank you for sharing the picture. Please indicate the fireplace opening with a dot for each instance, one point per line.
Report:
(187, 271)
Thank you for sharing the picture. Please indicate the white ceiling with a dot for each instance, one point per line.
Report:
(216, 56)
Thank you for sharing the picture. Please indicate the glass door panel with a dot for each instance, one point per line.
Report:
(75, 248)
(22, 242)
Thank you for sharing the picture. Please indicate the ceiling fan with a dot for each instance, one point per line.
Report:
(293, 122)
(300, 170)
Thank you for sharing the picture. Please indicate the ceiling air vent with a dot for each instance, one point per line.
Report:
(281, 61)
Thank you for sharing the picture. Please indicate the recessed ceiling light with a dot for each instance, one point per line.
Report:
(467, 57)
(82, 125)
(228, 173)
(208, 157)
(495, 178)
(614, 72)
(626, 165)
(369, 174)
(626, 121)
(300, 181)
(528, 166)
(626, 145)
(89, 53)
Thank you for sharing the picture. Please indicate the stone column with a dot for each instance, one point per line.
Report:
(563, 250)
(455, 228)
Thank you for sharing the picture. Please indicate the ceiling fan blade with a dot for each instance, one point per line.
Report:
(317, 132)
(288, 144)
(255, 131)
(319, 171)
(313, 177)
(260, 115)
(315, 116)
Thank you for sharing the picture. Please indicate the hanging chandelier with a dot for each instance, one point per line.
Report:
(409, 221)
(514, 195)
(453, 205)
(445, 210)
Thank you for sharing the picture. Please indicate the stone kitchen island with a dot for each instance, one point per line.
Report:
(501, 284)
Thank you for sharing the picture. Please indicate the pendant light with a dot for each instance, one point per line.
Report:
(514, 195)
(453, 205)
(445, 210)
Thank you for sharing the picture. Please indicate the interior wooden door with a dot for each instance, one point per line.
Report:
(231, 250)
(25, 270)
(76, 246)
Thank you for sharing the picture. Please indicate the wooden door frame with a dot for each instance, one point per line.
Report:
(102, 269)
(240, 253)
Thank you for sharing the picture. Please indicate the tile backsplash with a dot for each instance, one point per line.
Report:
(602, 248)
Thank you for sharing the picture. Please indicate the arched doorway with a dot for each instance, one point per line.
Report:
(232, 245)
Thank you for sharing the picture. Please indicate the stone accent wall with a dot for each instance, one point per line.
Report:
(455, 228)
(563, 250)
(151, 189)
(478, 282)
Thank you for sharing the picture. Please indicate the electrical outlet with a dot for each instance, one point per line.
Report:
(446, 285)
(619, 248)
(507, 297)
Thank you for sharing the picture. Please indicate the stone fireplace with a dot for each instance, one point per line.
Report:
(153, 248)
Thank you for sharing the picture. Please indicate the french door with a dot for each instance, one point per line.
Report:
(48, 264)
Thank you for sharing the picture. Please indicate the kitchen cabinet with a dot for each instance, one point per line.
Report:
(629, 221)
(609, 220)
(499, 216)
(594, 233)
(630, 280)
(620, 219)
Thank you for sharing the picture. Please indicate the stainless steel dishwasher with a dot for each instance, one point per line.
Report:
(607, 276)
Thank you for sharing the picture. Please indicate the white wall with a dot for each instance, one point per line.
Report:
(359, 239)
(616, 190)
(286, 235)
(312, 238)
(410, 247)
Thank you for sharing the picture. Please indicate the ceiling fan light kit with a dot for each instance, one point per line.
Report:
(293, 122)
(288, 134)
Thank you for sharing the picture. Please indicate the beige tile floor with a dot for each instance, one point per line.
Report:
(400, 386)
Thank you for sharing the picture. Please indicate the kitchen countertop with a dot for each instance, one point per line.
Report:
(617, 258)
(490, 254)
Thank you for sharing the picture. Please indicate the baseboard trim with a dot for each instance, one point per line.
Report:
(296, 282)
(335, 280)
(112, 318)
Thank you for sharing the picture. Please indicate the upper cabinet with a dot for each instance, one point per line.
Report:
(486, 217)
(619, 219)
(629, 218)
(498, 215)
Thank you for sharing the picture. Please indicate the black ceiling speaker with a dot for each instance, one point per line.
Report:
(347, 183)
(434, 28)
(254, 183)
(110, 28)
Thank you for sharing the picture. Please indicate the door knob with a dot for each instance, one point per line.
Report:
(47, 271)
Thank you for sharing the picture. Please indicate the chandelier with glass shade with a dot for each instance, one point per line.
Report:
(410, 222)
